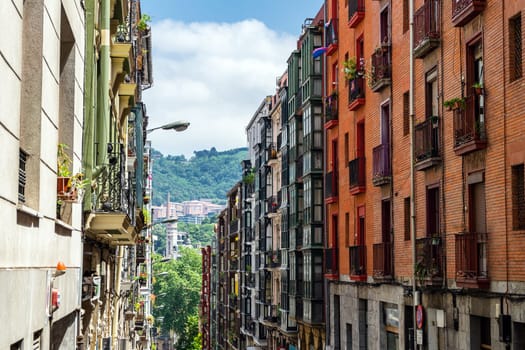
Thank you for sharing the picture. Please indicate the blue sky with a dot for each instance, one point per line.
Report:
(213, 63)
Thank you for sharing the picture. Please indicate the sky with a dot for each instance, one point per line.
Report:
(213, 63)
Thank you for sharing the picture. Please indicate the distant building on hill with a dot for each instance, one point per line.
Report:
(188, 211)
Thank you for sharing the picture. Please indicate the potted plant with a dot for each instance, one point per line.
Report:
(478, 88)
(454, 103)
(350, 68)
(249, 177)
(68, 184)
(142, 23)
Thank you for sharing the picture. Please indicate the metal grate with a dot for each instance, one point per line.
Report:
(22, 176)
(515, 41)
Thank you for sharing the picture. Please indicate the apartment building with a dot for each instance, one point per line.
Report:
(423, 177)
(116, 275)
(41, 65)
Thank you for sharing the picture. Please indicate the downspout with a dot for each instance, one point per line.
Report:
(116, 298)
(88, 134)
(325, 211)
(103, 106)
(412, 175)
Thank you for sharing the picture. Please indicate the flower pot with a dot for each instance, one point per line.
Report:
(65, 192)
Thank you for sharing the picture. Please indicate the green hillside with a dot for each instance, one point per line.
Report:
(208, 174)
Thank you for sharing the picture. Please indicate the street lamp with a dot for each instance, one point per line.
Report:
(179, 125)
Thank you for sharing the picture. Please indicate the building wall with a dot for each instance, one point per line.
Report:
(33, 239)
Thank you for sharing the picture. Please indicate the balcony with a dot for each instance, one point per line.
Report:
(141, 252)
(112, 219)
(357, 177)
(380, 73)
(383, 261)
(381, 168)
(429, 261)
(356, 95)
(469, 126)
(426, 28)
(358, 263)
(331, 190)
(356, 12)
(331, 263)
(235, 225)
(330, 36)
(275, 259)
(330, 111)
(471, 260)
(273, 204)
(427, 152)
(464, 10)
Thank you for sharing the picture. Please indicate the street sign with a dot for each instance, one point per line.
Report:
(419, 337)
(419, 316)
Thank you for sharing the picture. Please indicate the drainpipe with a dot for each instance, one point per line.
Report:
(412, 175)
(328, 340)
(116, 298)
(103, 105)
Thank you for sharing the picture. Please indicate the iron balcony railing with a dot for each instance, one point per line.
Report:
(358, 260)
(427, 139)
(383, 259)
(115, 193)
(381, 168)
(331, 111)
(468, 125)
(355, 7)
(357, 89)
(331, 260)
(330, 33)
(429, 258)
(465, 10)
(426, 26)
(381, 68)
(471, 256)
(331, 185)
(356, 170)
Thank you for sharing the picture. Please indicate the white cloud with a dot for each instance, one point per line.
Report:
(214, 75)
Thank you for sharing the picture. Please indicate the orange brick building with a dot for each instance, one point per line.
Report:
(392, 150)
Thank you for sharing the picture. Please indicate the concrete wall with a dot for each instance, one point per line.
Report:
(32, 240)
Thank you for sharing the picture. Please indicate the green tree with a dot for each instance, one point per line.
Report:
(178, 291)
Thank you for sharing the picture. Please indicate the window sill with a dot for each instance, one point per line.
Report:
(29, 211)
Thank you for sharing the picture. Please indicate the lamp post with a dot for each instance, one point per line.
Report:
(179, 125)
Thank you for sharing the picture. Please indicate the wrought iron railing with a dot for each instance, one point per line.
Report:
(429, 258)
(380, 73)
(330, 32)
(357, 89)
(468, 125)
(331, 111)
(427, 139)
(331, 186)
(381, 164)
(471, 255)
(356, 170)
(358, 260)
(426, 22)
(383, 259)
(355, 6)
(331, 262)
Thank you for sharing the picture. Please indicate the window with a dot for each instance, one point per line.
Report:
(406, 113)
(431, 93)
(385, 220)
(406, 209)
(19, 345)
(432, 211)
(406, 19)
(480, 333)
(348, 336)
(22, 176)
(37, 340)
(518, 197)
(518, 335)
(346, 149)
(337, 323)
(384, 26)
(347, 228)
(515, 47)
